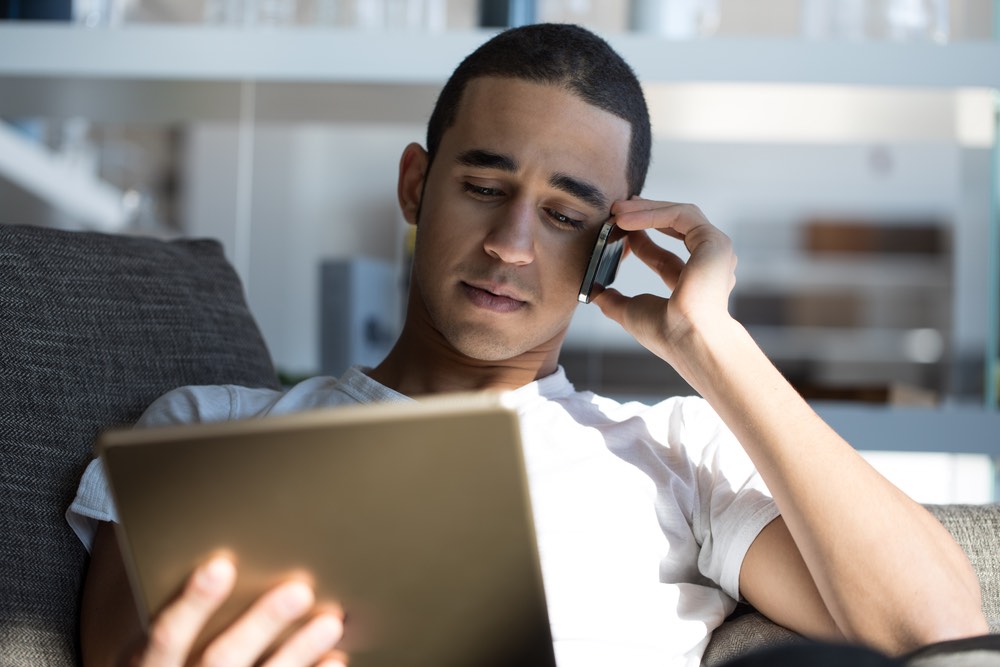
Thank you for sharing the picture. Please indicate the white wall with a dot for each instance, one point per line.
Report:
(322, 191)
(319, 192)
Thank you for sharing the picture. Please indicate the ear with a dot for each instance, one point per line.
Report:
(410, 187)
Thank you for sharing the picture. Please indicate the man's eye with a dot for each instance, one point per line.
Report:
(482, 191)
(564, 220)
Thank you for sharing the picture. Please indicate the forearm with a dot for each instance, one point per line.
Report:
(888, 572)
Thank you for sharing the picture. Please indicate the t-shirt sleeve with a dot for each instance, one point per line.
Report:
(93, 502)
(733, 504)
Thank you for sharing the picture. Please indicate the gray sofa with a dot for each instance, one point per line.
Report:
(975, 527)
(94, 327)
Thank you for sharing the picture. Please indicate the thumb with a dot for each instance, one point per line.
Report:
(612, 304)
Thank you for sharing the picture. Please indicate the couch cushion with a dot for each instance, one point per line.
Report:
(93, 327)
(976, 528)
(745, 631)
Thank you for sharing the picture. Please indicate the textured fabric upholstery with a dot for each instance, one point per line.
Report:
(976, 528)
(93, 328)
(742, 634)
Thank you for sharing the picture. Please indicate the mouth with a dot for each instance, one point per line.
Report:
(492, 297)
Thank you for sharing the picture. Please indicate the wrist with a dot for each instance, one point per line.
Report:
(705, 350)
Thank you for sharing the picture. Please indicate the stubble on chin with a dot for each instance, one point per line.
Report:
(477, 340)
(486, 343)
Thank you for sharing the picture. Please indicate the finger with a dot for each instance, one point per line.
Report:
(637, 203)
(639, 315)
(312, 644)
(178, 625)
(674, 219)
(335, 659)
(634, 214)
(247, 639)
(635, 206)
(612, 303)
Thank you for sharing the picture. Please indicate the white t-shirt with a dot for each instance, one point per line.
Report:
(643, 513)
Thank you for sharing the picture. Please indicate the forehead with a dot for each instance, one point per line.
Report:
(542, 126)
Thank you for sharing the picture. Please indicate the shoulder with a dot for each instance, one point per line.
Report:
(688, 414)
(682, 423)
(207, 403)
(215, 403)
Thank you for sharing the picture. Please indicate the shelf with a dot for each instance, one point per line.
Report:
(172, 73)
(199, 53)
(843, 345)
(144, 101)
(886, 273)
(203, 53)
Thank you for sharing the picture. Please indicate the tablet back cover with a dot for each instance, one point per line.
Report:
(414, 517)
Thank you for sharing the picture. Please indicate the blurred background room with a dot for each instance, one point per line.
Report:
(849, 147)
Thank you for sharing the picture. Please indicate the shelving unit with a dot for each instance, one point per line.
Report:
(172, 53)
(170, 73)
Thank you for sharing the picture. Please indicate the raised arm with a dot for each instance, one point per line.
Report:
(851, 556)
(111, 634)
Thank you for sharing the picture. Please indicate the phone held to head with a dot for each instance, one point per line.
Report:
(604, 261)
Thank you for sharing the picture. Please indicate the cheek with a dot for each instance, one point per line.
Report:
(442, 223)
(565, 267)
(440, 246)
(580, 258)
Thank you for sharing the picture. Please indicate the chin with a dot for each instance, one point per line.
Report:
(488, 351)
(492, 347)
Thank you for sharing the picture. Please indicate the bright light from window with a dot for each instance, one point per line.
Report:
(819, 114)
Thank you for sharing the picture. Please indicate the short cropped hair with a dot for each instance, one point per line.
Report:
(558, 54)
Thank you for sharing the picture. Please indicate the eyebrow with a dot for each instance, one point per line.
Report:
(488, 160)
(571, 185)
(581, 190)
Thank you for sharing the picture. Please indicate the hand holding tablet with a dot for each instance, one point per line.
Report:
(414, 517)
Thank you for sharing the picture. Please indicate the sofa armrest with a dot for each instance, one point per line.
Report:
(976, 528)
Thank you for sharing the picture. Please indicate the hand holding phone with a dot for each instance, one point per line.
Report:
(604, 259)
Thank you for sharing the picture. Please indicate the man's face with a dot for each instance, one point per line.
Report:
(512, 205)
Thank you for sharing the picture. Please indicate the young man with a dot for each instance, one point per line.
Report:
(651, 521)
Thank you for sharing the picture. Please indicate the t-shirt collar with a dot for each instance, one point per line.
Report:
(356, 382)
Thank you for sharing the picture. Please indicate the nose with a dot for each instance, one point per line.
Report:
(512, 236)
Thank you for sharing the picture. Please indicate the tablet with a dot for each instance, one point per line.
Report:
(414, 517)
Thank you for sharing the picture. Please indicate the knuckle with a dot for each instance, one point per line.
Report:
(336, 659)
(691, 210)
(164, 636)
(218, 655)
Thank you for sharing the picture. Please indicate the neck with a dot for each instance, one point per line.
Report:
(410, 371)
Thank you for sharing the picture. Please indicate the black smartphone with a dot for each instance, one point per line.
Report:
(604, 260)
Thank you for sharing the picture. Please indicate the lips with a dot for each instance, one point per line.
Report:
(493, 297)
